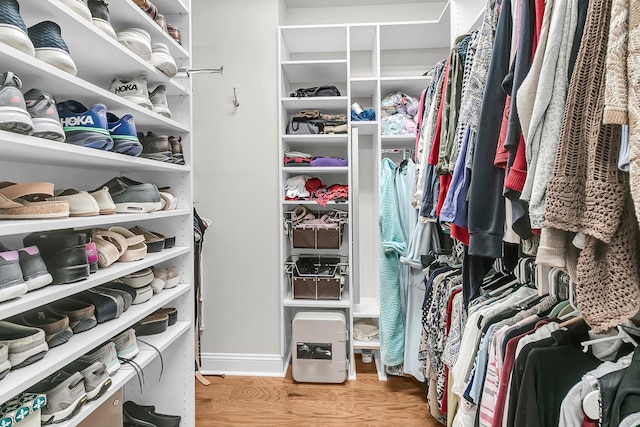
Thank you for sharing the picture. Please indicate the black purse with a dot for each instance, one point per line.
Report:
(316, 91)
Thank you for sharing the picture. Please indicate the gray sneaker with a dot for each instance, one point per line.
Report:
(26, 344)
(14, 116)
(96, 377)
(12, 283)
(126, 344)
(65, 396)
(159, 101)
(44, 113)
(106, 354)
(5, 365)
(135, 90)
(133, 197)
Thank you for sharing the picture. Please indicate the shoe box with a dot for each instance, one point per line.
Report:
(109, 414)
(23, 410)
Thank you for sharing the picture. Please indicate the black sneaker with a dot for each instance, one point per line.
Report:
(44, 114)
(146, 415)
(50, 47)
(100, 16)
(12, 29)
(14, 116)
(64, 253)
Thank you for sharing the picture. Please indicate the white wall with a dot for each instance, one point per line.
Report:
(236, 178)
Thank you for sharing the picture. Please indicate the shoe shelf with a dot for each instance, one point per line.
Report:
(125, 13)
(366, 127)
(333, 140)
(398, 141)
(63, 86)
(13, 227)
(51, 293)
(60, 356)
(411, 85)
(322, 103)
(99, 58)
(312, 203)
(363, 86)
(345, 302)
(126, 373)
(313, 71)
(46, 152)
(373, 344)
(309, 170)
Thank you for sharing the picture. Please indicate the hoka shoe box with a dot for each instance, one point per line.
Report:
(22, 411)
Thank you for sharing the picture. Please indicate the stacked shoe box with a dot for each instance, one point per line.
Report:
(23, 410)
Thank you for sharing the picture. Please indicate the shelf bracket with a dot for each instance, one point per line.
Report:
(190, 71)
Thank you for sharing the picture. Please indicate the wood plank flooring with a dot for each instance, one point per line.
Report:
(262, 401)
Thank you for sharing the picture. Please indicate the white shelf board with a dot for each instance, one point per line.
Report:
(362, 37)
(411, 85)
(363, 87)
(315, 38)
(309, 303)
(58, 357)
(12, 227)
(316, 140)
(310, 170)
(416, 34)
(323, 103)
(373, 344)
(314, 71)
(113, 58)
(128, 14)
(398, 141)
(312, 203)
(368, 308)
(126, 373)
(52, 293)
(366, 127)
(46, 152)
(64, 86)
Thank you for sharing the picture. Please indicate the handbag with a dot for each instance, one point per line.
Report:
(316, 91)
(301, 125)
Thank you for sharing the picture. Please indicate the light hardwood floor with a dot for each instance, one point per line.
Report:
(262, 401)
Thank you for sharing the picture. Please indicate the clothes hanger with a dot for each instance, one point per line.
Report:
(572, 300)
(621, 335)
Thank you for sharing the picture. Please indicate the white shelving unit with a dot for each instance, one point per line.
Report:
(27, 159)
(365, 61)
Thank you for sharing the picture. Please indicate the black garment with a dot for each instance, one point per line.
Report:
(608, 385)
(486, 203)
(549, 375)
(628, 396)
(522, 64)
(573, 336)
(577, 38)
(474, 268)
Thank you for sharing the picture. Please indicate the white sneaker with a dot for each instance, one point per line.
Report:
(159, 100)
(137, 40)
(80, 7)
(135, 90)
(81, 203)
(162, 59)
(105, 202)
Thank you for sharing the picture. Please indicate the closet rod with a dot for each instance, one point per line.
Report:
(190, 71)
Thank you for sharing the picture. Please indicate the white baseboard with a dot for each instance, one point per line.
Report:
(249, 365)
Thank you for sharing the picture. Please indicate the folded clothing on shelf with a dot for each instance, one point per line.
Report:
(398, 112)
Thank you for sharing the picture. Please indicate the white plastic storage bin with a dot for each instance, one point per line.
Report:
(319, 347)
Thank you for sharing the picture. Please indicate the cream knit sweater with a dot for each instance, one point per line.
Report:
(622, 82)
